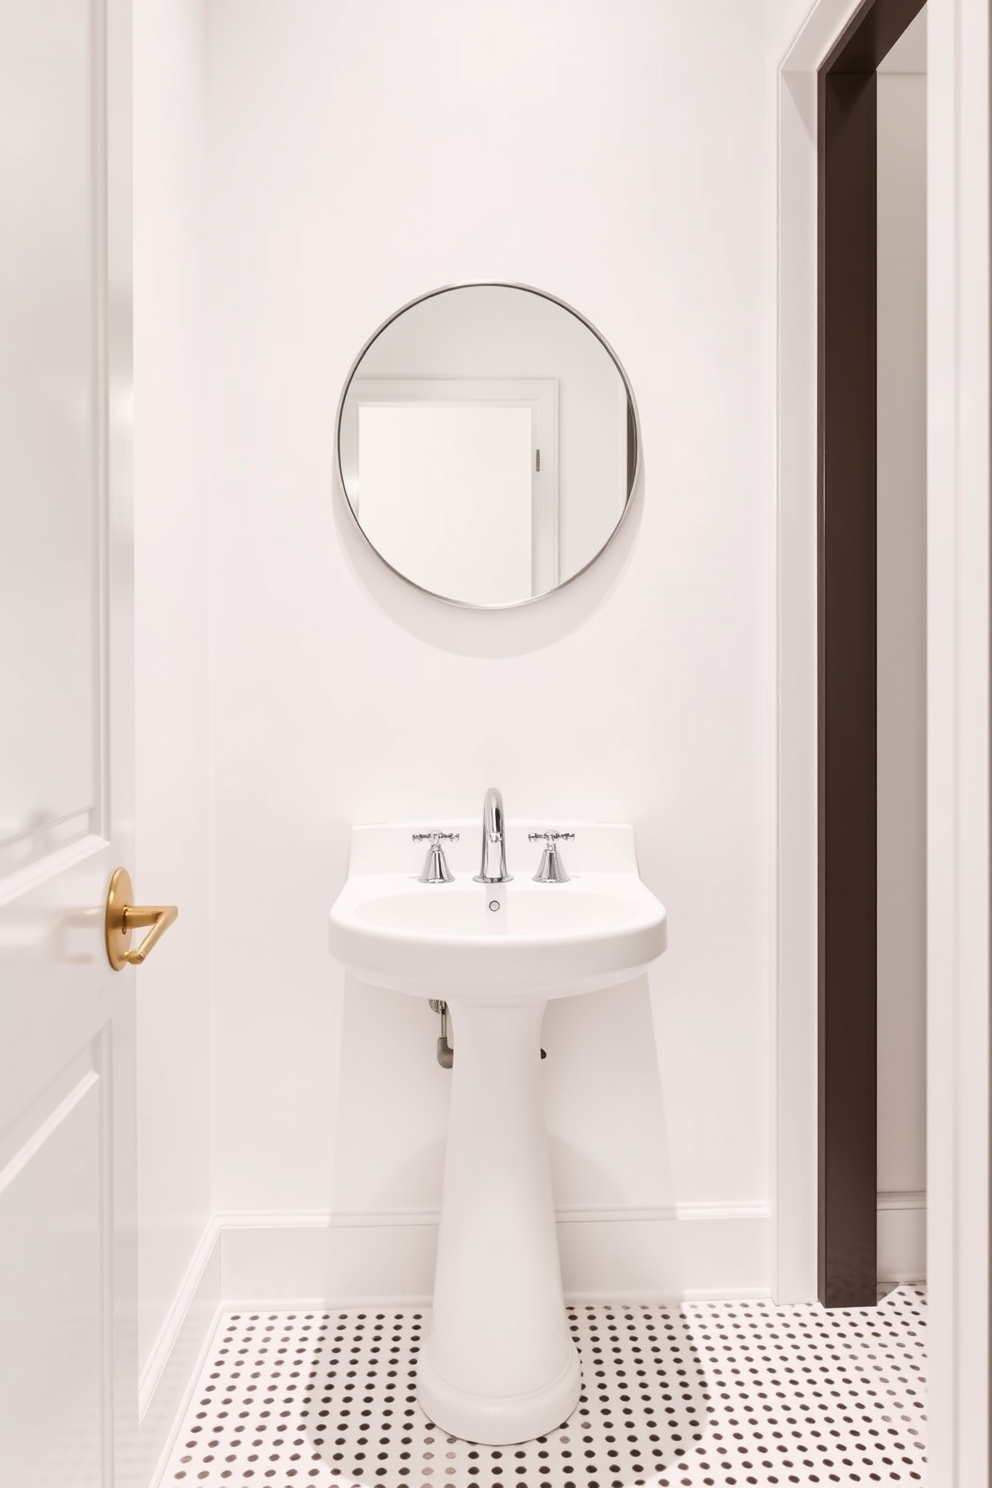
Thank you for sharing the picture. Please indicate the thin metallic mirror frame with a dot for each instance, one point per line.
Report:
(632, 476)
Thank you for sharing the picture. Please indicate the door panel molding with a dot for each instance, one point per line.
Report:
(42, 1132)
(57, 1223)
(57, 793)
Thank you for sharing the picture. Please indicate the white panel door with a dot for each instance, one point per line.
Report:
(68, 1390)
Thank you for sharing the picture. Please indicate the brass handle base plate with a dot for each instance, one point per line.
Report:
(119, 895)
(124, 917)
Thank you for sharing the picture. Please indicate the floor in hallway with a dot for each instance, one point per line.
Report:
(710, 1393)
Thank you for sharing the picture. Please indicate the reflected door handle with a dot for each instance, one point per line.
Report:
(123, 917)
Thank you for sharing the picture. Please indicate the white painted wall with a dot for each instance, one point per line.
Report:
(525, 336)
(902, 528)
(171, 651)
(360, 154)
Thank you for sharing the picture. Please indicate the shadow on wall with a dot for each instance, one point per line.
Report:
(392, 1104)
(610, 1162)
(498, 632)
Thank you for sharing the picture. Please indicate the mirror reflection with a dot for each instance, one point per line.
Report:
(487, 443)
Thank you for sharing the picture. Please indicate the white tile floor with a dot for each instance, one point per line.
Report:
(710, 1393)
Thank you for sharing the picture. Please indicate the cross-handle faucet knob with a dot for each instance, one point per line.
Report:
(552, 869)
(435, 869)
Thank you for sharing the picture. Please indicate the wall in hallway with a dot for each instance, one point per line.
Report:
(902, 535)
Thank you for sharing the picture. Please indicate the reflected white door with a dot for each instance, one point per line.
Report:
(446, 496)
(455, 481)
(68, 1390)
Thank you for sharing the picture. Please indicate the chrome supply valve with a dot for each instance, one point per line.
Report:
(445, 1053)
(552, 869)
(435, 869)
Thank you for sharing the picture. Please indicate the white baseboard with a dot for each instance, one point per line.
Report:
(608, 1254)
(693, 1251)
(902, 1237)
(341, 1260)
(198, 1295)
(174, 1363)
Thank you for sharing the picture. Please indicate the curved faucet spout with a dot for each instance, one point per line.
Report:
(493, 869)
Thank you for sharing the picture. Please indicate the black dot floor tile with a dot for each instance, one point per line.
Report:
(706, 1395)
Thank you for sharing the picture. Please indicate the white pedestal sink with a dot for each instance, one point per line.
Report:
(498, 1365)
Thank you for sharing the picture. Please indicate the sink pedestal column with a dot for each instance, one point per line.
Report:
(498, 1365)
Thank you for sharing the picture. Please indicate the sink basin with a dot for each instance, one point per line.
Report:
(528, 938)
(498, 1365)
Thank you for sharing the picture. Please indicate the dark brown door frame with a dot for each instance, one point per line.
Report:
(846, 631)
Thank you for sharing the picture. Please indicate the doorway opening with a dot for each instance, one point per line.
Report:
(871, 630)
(810, 1221)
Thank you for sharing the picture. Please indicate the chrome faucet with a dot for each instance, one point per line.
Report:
(493, 869)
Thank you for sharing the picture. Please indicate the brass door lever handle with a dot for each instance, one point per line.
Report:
(123, 917)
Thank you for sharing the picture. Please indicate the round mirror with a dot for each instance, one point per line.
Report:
(487, 442)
